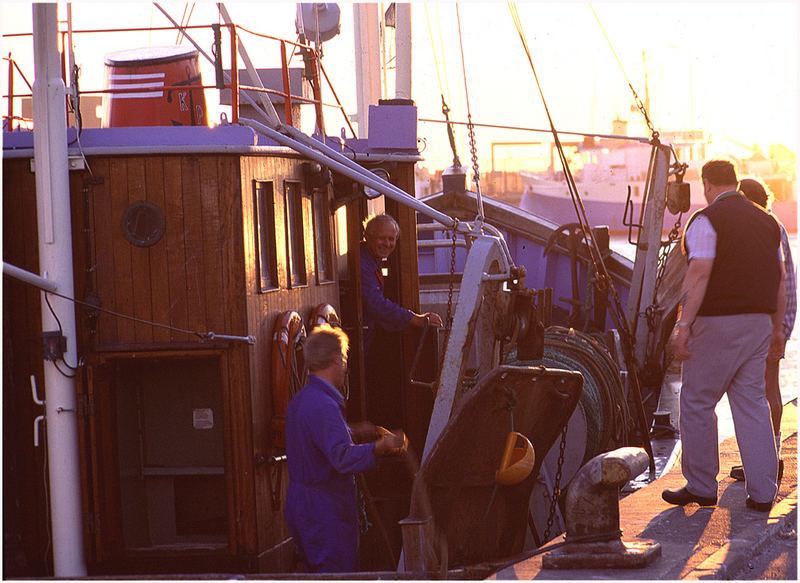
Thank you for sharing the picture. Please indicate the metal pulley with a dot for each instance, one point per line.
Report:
(678, 193)
(678, 197)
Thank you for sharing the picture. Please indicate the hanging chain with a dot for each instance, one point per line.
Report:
(654, 312)
(557, 484)
(653, 133)
(449, 319)
(473, 150)
(638, 101)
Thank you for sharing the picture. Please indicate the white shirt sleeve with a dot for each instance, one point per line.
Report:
(701, 238)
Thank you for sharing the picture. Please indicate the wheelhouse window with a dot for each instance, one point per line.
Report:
(295, 228)
(322, 235)
(266, 248)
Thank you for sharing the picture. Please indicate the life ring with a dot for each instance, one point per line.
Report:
(324, 314)
(288, 372)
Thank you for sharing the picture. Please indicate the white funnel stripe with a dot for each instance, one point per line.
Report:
(135, 85)
(140, 95)
(118, 77)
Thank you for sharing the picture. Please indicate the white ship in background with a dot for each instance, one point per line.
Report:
(607, 167)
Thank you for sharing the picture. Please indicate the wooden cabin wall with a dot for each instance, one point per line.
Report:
(263, 308)
(182, 280)
(191, 279)
(25, 523)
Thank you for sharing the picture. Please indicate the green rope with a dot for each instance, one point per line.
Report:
(602, 402)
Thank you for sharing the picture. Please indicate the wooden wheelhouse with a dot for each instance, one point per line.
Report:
(180, 471)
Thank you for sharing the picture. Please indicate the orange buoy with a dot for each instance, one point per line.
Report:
(517, 462)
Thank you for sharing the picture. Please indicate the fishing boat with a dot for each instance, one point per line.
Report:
(160, 274)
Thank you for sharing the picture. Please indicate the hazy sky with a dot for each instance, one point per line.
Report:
(729, 68)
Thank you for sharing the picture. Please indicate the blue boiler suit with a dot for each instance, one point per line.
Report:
(321, 505)
(378, 310)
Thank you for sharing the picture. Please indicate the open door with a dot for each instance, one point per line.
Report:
(156, 443)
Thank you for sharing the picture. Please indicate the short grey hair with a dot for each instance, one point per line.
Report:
(372, 223)
(323, 346)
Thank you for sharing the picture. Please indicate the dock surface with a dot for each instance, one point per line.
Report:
(720, 542)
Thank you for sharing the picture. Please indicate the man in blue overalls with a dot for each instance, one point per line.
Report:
(321, 505)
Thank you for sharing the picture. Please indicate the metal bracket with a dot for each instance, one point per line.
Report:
(75, 163)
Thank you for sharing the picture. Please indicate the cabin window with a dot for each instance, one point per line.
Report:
(322, 235)
(295, 230)
(266, 249)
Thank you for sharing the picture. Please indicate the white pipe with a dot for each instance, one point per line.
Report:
(55, 263)
(402, 42)
(368, 66)
(323, 154)
(28, 277)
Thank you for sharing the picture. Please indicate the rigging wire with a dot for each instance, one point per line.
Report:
(636, 98)
(91, 306)
(541, 130)
(445, 107)
(573, 190)
(470, 126)
(603, 281)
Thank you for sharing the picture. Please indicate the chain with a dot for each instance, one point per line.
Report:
(653, 312)
(557, 484)
(642, 109)
(449, 319)
(473, 151)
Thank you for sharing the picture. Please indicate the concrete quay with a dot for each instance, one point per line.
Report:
(720, 542)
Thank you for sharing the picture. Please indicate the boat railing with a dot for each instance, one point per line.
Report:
(286, 50)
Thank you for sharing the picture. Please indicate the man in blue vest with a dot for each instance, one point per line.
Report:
(732, 304)
(321, 505)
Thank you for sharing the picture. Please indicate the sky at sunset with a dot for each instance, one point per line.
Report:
(730, 69)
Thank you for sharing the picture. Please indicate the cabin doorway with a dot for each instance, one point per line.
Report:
(168, 441)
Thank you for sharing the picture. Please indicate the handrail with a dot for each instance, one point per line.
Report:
(288, 97)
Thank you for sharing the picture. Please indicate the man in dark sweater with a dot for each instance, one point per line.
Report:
(732, 307)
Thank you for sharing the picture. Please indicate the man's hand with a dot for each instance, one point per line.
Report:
(433, 318)
(680, 342)
(364, 431)
(391, 443)
(777, 344)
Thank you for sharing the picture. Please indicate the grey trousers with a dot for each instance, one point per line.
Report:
(728, 355)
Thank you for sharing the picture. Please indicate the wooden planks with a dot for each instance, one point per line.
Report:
(175, 246)
(193, 242)
(141, 276)
(121, 272)
(158, 254)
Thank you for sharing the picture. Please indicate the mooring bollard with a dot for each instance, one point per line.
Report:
(594, 539)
